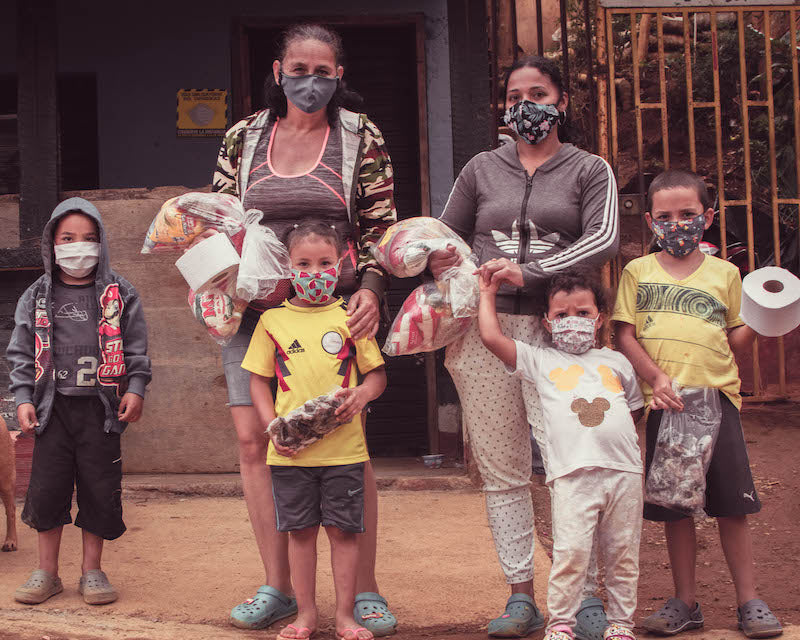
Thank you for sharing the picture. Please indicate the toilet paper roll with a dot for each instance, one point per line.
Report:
(771, 301)
(209, 263)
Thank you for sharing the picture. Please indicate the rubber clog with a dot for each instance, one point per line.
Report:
(757, 621)
(96, 589)
(673, 618)
(372, 612)
(40, 586)
(521, 618)
(590, 621)
(268, 606)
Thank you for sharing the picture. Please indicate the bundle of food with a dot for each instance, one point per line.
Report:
(218, 312)
(677, 476)
(308, 423)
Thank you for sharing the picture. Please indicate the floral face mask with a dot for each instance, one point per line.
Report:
(532, 121)
(573, 334)
(679, 238)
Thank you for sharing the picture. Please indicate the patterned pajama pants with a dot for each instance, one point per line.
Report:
(603, 505)
(499, 411)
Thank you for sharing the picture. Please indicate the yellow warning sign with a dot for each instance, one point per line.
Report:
(202, 112)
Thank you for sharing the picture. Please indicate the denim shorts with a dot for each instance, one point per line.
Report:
(238, 379)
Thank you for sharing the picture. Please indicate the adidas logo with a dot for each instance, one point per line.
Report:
(648, 322)
(295, 347)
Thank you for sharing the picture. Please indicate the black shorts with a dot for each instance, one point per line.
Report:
(310, 496)
(72, 451)
(729, 482)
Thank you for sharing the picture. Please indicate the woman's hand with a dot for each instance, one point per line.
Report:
(500, 270)
(363, 310)
(355, 400)
(26, 418)
(442, 260)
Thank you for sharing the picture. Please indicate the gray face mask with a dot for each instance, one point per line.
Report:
(309, 93)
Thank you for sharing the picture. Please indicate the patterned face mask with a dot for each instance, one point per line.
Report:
(531, 121)
(573, 334)
(315, 288)
(679, 238)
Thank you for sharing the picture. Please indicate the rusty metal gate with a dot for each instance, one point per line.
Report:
(713, 87)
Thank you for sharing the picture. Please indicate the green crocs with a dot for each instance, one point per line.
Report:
(267, 606)
(590, 621)
(371, 611)
(521, 618)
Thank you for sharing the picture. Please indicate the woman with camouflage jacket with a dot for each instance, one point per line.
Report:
(305, 157)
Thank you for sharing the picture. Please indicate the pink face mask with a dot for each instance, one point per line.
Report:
(315, 288)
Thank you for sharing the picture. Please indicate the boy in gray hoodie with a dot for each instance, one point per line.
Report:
(79, 367)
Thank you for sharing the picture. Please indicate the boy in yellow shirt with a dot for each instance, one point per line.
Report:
(306, 345)
(677, 318)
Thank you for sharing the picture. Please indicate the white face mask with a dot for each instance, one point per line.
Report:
(77, 259)
(573, 334)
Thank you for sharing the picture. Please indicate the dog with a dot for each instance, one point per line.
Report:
(8, 481)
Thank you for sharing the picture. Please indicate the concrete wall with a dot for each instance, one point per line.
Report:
(144, 52)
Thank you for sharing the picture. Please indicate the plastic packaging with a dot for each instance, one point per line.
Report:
(181, 219)
(425, 322)
(265, 260)
(685, 444)
(404, 248)
(308, 423)
(219, 312)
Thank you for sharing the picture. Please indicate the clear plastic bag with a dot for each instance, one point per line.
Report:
(404, 248)
(463, 288)
(265, 260)
(219, 312)
(685, 444)
(183, 218)
(425, 322)
(309, 423)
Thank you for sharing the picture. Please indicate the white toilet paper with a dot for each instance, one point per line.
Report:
(210, 263)
(771, 301)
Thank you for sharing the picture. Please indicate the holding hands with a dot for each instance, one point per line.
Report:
(498, 271)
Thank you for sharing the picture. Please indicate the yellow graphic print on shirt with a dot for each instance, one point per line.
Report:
(566, 380)
(609, 380)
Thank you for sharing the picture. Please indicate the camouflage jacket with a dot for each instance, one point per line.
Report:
(367, 178)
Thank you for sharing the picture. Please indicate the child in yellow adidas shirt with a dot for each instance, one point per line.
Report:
(677, 316)
(306, 345)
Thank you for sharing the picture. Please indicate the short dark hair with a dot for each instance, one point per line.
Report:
(321, 229)
(580, 278)
(677, 178)
(275, 98)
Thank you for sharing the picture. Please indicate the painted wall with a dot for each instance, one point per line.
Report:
(144, 52)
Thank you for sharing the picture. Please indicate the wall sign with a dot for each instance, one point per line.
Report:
(202, 112)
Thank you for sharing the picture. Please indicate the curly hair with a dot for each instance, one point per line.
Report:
(343, 97)
(585, 280)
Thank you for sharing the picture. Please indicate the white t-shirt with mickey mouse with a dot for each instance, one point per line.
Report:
(587, 401)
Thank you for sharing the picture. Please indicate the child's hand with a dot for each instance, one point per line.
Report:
(280, 449)
(663, 395)
(355, 400)
(130, 409)
(26, 418)
(485, 281)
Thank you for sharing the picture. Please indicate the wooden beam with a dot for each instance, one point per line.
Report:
(37, 61)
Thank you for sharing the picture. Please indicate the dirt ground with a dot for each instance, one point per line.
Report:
(772, 433)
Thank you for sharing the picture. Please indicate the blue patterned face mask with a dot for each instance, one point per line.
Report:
(679, 238)
(532, 121)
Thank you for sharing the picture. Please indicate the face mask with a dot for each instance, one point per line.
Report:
(315, 288)
(532, 122)
(573, 334)
(77, 259)
(309, 93)
(679, 238)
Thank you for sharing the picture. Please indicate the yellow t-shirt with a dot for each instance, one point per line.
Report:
(682, 324)
(310, 351)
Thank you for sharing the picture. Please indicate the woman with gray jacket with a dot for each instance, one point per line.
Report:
(528, 209)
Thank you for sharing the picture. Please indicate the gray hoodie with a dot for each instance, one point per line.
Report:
(564, 215)
(122, 333)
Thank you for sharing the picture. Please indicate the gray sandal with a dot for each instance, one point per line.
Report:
(40, 586)
(757, 621)
(95, 588)
(590, 621)
(673, 618)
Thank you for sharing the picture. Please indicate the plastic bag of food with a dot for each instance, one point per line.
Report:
(181, 219)
(463, 288)
(685, 444)
(309, 423)
(425, 322)
(219, 312)
(404, 248)
(265, 260)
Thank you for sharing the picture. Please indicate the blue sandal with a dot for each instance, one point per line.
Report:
(268, 606)
(372, 612)
(521, 618)
(590, 621)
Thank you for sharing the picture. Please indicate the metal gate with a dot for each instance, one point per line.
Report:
(711, 86)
